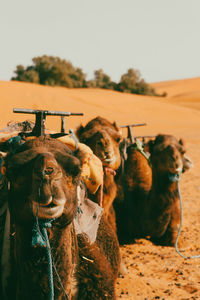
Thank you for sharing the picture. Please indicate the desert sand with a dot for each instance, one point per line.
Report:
(153, 272)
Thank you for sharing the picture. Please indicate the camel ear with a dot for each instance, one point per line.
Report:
(116, 125)
(181, 142)
(88, 134)
(21, 158)
(80, 130)
(14, 162)
(149, 146)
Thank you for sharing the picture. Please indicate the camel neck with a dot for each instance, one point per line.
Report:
(31, 263)
(161, 182)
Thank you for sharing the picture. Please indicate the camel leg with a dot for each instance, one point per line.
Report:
(168, 238)
(95, 274)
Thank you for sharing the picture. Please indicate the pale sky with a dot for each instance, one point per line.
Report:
(160, 38)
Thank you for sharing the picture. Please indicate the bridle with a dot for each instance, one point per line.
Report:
(40, 239)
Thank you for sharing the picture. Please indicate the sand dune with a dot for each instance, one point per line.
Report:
(153, 272)
(184, 92)
(125, 108)
(178, 87)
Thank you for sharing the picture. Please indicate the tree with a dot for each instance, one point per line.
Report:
(29, 74)
(54, 71)
(50, 70)
(101, 80)
(131, 82)
(78, 78)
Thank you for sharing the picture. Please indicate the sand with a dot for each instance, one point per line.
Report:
(154, 272)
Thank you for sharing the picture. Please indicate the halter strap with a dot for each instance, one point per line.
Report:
(179, 231)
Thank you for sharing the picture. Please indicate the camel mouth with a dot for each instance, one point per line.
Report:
(109, 160)
(51, 205)
(187, 163)
(175, 171)
(47, 212)
(174, 176)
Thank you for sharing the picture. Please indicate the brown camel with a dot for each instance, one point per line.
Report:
(150, 203)
(104, 138)
(42, 184)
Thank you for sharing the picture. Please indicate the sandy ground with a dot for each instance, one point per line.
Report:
(154, 272)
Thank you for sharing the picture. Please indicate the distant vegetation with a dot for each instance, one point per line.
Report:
(54, 71)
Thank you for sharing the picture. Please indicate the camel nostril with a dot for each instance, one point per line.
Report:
(48, 171)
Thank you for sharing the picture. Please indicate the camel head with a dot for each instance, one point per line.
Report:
(105, 145)
(168, 154)
(43, 178)
(104, 139)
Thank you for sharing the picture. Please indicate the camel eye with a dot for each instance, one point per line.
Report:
(118, 139)
(99, 143)
(169, 150)
(182, 151)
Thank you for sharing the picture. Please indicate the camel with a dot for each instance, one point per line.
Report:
(149, 205)
(42, 187)
(104, 138)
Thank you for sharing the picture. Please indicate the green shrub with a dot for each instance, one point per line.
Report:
(50, 70)
(131, 82)
(54, 71)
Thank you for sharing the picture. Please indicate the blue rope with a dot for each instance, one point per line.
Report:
(73, 136)
(179, 231)
(174, 178)
(50, 264)
(40, 238)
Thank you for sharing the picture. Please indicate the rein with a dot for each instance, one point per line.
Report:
(176, 178)
(40, 238)
(39, 232)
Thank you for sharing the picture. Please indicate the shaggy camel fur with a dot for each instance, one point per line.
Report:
(104, 138)
(44, 176)
(150, 204)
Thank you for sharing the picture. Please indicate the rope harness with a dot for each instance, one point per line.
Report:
(40, 238)
(172, 178)
(176, 178)
(39, 231)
